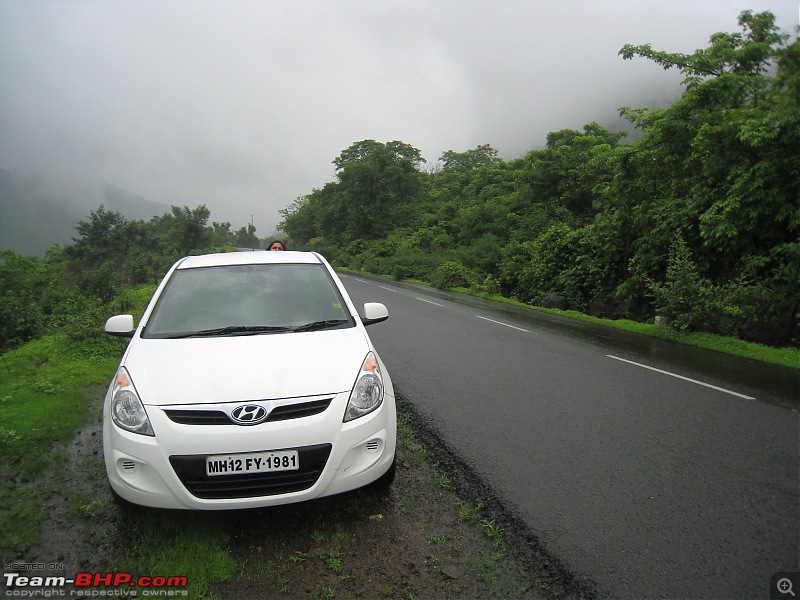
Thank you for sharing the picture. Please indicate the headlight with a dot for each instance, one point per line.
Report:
(367, 393)
(127, 409)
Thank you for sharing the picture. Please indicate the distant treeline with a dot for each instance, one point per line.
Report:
(697, 222)
(73, 288)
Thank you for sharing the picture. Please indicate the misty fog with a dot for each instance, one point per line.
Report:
(243, 105)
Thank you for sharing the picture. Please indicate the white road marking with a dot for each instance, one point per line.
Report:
(428, 301)
(503, 324)
(708, 385)
(383, 287)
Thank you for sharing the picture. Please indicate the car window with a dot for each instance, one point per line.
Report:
(247, 299)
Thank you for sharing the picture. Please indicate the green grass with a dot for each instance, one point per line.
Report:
(440, 479)
(40, 397)
(418, 452)
(41, 405)
(493, 531)
(188, 545)
(468, 511)
(786, 357)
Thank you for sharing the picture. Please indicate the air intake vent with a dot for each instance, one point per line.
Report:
(295, 411)
(128, 466)
(373, 446)
(217, 417)
(198, 417)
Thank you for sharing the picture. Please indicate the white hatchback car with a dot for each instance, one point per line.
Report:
(250, 381)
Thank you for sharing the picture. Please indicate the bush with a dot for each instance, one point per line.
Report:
(489, 285)
(410, 263)
(689, 301)
(103, 283)
(585, 278)
(756, 313)
(535, 268)
(515, 257)
(451, 274)
(21, 282)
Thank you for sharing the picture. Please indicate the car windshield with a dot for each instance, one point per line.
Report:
(247, 300)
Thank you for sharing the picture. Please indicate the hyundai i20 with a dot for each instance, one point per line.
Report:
(249, 381)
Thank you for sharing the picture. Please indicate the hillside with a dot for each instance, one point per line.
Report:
(38, 210)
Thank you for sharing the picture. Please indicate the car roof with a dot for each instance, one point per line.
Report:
(250, 257)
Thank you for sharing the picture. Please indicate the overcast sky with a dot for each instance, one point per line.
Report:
(242, 105)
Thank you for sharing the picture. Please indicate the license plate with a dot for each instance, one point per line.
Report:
(255, 462)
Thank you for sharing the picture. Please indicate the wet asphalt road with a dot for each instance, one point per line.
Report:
(680, 482)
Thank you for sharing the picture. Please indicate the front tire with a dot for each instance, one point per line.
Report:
(384, 482)
(124, 505)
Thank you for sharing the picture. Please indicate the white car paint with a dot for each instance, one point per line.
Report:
(247, 368)
(271, 371)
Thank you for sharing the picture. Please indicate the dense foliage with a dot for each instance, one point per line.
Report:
(698, 221)
(73, 288)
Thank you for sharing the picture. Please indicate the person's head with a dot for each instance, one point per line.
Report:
(277, 245)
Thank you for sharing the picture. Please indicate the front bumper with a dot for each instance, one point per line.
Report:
(168, 470)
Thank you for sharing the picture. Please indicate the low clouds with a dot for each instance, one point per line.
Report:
(242, 105)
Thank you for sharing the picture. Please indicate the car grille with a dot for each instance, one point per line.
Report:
(218, 417)
(295, 411)
(192, 472)
(198, 417)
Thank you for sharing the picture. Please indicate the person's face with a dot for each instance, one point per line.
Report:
(276, 246)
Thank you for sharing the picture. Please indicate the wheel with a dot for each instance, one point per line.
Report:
(385, 481)
(124, 505)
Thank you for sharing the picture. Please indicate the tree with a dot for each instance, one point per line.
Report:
(723, 163)
(221, 234)
(572, 164)
(299, 219)
(22, 280)
(185, 229)
(102, 237)
(378, 153)
(470, 160)
(592, 218)
(378, 188)
(246, 237)
(728, 150)
(750, 53)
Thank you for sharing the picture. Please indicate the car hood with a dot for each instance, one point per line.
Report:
(259, 367)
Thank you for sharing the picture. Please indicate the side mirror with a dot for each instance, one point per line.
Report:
(374, 312)
(120, 326)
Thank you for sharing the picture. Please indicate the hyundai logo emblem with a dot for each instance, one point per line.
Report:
(248, 414)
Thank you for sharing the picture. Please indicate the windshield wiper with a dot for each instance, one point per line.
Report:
(317, 325)
(233, 330)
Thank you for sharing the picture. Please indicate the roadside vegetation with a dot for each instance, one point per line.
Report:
(785, 356)
(697, 222)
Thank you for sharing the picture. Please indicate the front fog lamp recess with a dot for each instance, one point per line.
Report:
(367, 393)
